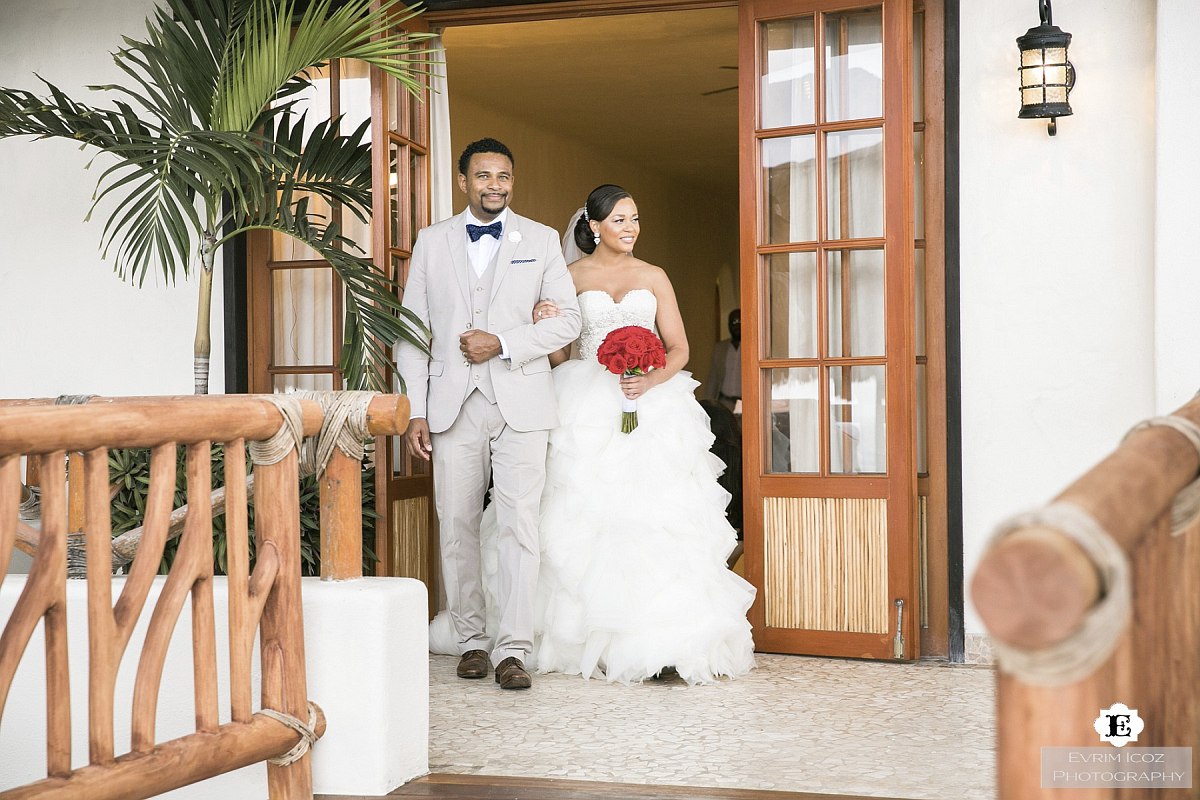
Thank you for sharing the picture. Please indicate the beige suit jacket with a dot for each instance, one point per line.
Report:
(529, 267)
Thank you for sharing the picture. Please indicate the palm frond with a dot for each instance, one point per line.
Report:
(271, 51)
(330, 164)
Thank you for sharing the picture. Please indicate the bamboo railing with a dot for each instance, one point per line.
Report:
(1036, 588)
(265, 602)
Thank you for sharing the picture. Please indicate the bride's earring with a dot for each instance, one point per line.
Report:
(596, 238)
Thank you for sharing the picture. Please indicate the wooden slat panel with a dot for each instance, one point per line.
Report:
(237, 567)
(10, 504)
(103, 655)
(204, 633)
(410, 538)
(281, 637)
(826, 564)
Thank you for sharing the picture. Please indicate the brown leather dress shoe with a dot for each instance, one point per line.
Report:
(511, 674)
(473, 664)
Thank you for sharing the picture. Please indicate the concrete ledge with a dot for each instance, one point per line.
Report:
(368, 669)
(366, 650)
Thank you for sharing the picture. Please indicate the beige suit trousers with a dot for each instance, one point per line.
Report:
(477, 445)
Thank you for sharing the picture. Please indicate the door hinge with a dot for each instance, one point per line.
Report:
(898, 640)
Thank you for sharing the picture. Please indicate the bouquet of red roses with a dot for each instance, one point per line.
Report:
(631, 350)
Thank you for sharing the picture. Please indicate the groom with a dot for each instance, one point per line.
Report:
(483, 403)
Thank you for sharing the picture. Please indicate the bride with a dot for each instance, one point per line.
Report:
(634, 539)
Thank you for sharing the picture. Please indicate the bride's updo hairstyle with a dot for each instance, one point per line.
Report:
(599, 205)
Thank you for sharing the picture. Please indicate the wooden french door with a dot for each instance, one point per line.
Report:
(404, 485)
(828, 325)
(295, 299)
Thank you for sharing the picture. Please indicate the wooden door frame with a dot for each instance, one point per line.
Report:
(562, 9)
(945, 618)
(414, 480)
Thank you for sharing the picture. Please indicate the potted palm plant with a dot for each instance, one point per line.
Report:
(205, 144)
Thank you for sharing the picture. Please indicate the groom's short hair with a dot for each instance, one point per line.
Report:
(486, 145)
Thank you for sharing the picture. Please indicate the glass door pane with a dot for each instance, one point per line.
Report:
(303, 318)
(854, 65)
(793, 443)
(857, 420)
(788, 73)
(854, 281)
(790, 181)
(854, 183)
(791, 305)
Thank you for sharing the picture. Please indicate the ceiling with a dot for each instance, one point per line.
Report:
(621, 84)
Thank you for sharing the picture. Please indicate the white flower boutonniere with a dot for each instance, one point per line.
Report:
(514, 236)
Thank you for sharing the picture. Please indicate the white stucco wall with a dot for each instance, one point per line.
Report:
(68, 324)
(1058, 258)
(1177, 267)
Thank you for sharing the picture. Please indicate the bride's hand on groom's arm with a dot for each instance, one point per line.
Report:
(548, 309)
(545, 309)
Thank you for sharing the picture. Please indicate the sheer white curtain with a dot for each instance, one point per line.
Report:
(441, 160)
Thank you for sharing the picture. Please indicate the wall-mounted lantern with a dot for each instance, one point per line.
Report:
(1046, 75)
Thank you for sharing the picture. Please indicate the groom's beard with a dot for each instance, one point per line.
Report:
(494, 204)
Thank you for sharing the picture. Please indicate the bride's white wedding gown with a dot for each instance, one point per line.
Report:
(634, 539)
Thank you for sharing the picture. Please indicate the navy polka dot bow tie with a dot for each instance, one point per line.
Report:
(475, 231)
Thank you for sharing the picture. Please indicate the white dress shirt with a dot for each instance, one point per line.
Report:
(483, 250)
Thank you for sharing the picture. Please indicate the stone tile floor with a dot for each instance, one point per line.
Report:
(919, 731)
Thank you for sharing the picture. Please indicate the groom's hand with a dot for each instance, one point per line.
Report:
(417, 438)
(478, 346)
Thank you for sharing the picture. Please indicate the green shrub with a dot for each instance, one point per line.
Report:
(129, 469)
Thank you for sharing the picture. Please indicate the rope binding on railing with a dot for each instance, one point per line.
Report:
(1185, 510)
(344, 426)
(289, 436)
(1091, 644)
(308, 734)
(73, 399)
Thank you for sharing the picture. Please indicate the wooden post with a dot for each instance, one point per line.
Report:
(341, 493)
(341, 518)
(281, 636)
(1033, 588)
(76, 493)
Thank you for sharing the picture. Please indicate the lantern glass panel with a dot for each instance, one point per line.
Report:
(1031, 58)
(1056, 74)
(1056, 55)
(1056, 94)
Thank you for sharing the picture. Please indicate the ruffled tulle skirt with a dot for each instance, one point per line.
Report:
(634, 541)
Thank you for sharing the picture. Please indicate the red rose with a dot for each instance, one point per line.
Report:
(636, 346)
(648, 361)
(617, 364)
